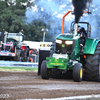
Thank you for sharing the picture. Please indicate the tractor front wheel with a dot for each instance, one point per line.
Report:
(78, 72)
(45, 72)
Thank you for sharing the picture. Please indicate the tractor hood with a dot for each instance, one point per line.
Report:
(66, 36)
(65, 43)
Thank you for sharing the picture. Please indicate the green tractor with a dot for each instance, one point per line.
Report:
(71, 53)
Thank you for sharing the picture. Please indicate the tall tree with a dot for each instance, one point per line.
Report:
(12, 14)
(12, 19)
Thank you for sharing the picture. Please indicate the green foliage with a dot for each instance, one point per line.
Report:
(12, 19)
(35, 29)
(10, 16)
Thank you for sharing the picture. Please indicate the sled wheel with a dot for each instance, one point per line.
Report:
(45, 72)
(78, 72)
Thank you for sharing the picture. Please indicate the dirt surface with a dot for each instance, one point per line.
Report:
(26, 85)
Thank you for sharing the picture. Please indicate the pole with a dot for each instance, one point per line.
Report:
(44, 36)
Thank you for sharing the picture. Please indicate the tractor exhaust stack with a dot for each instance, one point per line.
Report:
(76, 29)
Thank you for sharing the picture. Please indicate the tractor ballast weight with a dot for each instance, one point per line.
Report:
(68, 54)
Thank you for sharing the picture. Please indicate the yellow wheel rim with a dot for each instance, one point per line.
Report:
(48, 72)
(81, 72)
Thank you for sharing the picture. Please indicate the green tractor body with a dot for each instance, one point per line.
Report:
(90, 46)
(59, 60)
(66, 48)
(67, 55)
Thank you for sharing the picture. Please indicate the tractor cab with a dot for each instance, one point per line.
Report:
(69, 42)
(85, 25)
(15, 38)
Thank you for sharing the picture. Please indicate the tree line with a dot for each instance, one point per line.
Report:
(12, 20)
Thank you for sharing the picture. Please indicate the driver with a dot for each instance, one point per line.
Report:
(83, 35)
(12, 40)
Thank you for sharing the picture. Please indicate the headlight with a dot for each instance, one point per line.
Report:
(58, 41)
(68, 42)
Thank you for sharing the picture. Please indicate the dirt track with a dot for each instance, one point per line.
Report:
(26, 85)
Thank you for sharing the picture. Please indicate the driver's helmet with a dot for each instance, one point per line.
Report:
(79, 28)
(81, 31)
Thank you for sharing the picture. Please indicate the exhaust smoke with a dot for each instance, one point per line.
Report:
(79, 7)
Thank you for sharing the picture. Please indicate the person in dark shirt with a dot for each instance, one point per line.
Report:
(83, 35)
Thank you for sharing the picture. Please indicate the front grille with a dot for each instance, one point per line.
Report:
(64, 48)
(7, 48)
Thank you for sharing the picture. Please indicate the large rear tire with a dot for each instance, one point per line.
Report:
(45, 72)
(17, 58)
(24, 55)
(92, 66)
(78, 72)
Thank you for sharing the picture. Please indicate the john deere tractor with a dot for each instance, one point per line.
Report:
(69, 55)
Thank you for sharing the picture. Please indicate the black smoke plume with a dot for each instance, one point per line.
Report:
(79, 7)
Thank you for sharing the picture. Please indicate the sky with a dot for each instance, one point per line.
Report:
(51, 12)
(50, 7)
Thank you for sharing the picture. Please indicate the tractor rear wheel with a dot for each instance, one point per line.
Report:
(92, 66)
(24, 55)
(78, 72)
(45, 72)
(17, 58)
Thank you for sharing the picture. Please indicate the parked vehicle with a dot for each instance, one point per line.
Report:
(12, 49)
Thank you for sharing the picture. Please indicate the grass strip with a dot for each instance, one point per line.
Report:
(18, 69)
